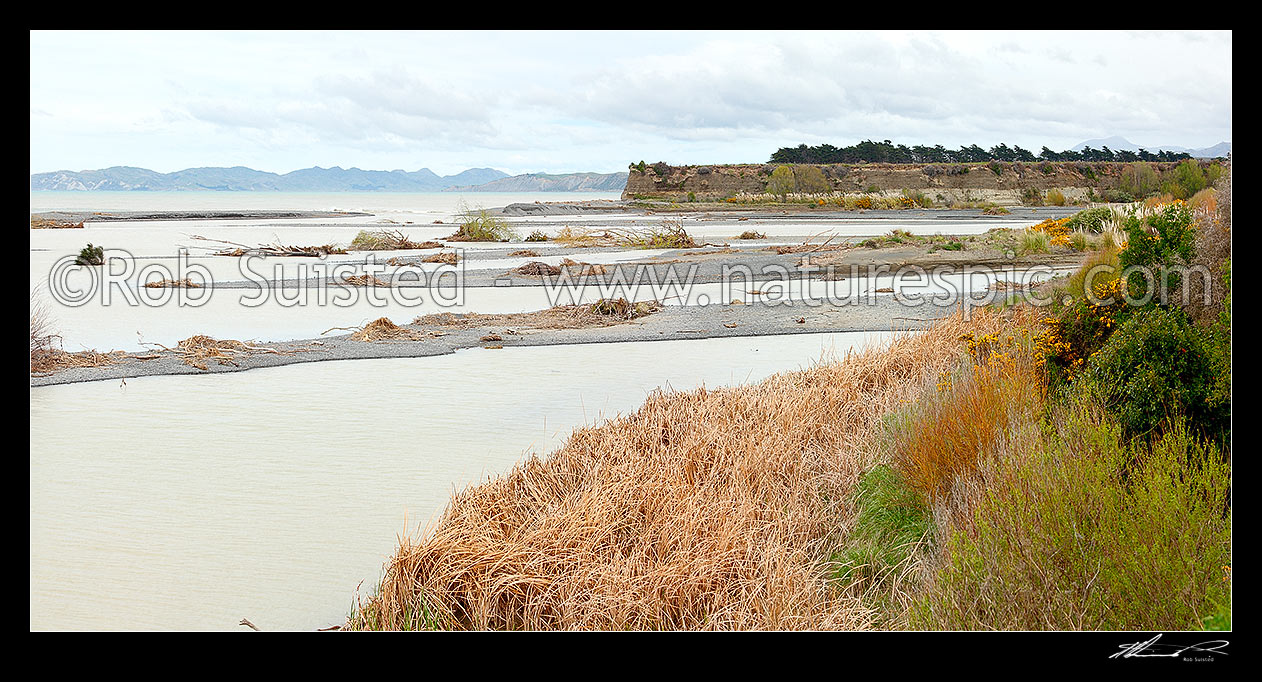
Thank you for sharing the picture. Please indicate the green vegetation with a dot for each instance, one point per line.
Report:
(1074, 471)
(782, 182)
(537, 236)
(480, 225)
(888, 152)
(90, 255)
(1065, 541)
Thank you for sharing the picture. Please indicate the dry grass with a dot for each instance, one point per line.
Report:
(1206, 298)
(46, 353)
(48, 360)
(524, 253)
(571, 267)
(185, 283)
(446, 258)
(710, 509)
(536, 269)
(197, 351)
(230, 248)
(50, 224)
(670, 234)
(750, 234)
(953, 431)
(603, 313)
(364, 281)
(388, 240)
(383, 329)
(582, 269)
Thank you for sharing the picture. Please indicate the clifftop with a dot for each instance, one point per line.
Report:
(998, 181)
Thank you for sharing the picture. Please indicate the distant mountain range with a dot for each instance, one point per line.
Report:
(336, 179)
(543, 182)
(1117, 144)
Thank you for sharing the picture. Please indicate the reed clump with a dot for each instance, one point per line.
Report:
(388, 240)
(670, 234)
(707, 509)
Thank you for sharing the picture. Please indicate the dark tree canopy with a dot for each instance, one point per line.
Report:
(888, 152)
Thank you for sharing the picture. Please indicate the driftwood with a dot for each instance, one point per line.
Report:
(274, 249)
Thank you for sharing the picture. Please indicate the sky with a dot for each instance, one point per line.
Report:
(558, 102)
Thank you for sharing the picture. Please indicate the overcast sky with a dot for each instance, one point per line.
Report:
(597, 101)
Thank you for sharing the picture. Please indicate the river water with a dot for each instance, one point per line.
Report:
(188, 503)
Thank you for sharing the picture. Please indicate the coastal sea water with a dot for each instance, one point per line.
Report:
(421, 206)
(192, 502)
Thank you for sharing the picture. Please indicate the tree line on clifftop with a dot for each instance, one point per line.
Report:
(888, 152)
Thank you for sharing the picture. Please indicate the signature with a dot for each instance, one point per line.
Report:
(1151, 649)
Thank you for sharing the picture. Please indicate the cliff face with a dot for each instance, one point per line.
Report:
(1000, 182)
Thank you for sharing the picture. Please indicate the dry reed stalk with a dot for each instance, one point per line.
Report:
(275, 249)
(709, 509)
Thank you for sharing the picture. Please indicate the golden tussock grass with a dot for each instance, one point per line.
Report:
(707, 509)
(953, 431)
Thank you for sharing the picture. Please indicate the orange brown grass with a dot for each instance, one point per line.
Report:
(953, 431)
(708, 509)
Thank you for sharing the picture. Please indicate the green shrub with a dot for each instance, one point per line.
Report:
(537, 236)
(1162, 240)
(810, 180)
(1087, 532)
(1158, 365)
(90, 255)
(1185, 179)
(1091, 220)
(782, 181)
(1138, 180)
(480, 225)
(1033, 241)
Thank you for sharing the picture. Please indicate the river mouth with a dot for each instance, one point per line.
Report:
(189, 503)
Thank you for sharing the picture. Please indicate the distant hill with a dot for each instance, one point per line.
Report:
(543, 182)
(1118, 143)
(242, 179)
